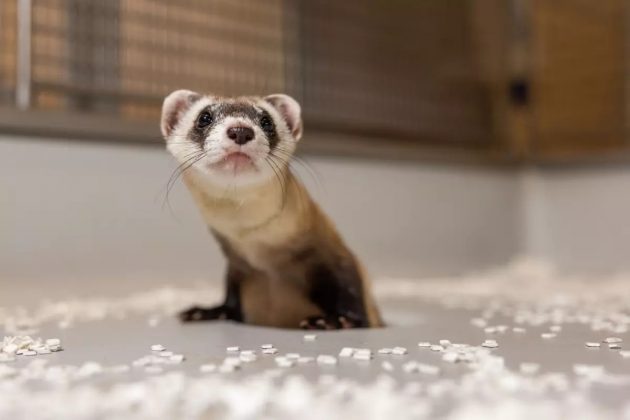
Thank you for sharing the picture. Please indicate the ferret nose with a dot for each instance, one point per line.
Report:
(240, 135)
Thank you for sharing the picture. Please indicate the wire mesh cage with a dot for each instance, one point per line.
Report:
(8, 45)
(455, 74)
(355, 66)
(126, 55)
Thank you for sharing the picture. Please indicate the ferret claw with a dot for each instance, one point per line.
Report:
(197, 313)
(318, 322)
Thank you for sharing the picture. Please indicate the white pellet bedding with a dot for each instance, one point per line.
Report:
(515, 343)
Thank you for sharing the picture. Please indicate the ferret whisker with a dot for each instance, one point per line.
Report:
(287, 172)
(293, 173)
(314, 175)
(189, 160)
(277, 171)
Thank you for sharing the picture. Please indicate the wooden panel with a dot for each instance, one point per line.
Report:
(399, 67)
(578, 76)
(50, 51)
(7, 49)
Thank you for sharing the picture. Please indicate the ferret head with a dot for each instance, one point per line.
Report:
(234, 141)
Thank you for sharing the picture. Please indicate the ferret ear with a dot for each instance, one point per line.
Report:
(290, 111)
(174, 107)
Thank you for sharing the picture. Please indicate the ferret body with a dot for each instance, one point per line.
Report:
(287, 265)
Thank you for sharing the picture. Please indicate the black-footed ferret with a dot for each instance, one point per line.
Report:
(287, 265)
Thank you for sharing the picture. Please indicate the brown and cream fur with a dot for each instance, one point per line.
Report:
(287, 265)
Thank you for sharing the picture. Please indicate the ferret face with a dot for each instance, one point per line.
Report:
(234, 141)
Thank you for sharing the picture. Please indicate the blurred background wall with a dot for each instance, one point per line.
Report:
(447, 136)
(93, 213)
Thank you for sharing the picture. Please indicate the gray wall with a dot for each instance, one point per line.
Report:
(92, 214)
(579, 217)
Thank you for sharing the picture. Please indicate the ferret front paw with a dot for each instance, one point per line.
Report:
(318, 322)
(197, 313)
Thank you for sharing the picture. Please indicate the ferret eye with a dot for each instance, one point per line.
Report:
(204, 120)
(266, 123)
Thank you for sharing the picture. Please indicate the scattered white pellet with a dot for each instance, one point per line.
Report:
(24, 345)
(490, 330)
(362, 354)
(293, 356)
(614, 346)
(207, 368)
(548, 335)
(445, 343)
(479, 322)
(282, 361)
(555, 328)
(529, 368)
(285, 363)
(437, 347)
(141, 362)
(399, 351)
(266, 346)
(305, 359)
(588, 370)
(233, 349)
(451, 357)
(346, 352)
(176, 358)
(310, 337)
(387, 366)
(270, 351)
(325, 359)
(236, 361)
(248, 357)
(10, 349)
(158, 347)
(592, 344)
(625, 354)
(518, 330)
(153, 369)
(613, 340)
(424, 344)
(491, 344)
(501, 328)
(227, 368)
(89, 369)
(165, 353)
(385, 351)
(428, 369)
(247, 352)
(53, 342)
(410, 367)
(466, 357)
(120, 369)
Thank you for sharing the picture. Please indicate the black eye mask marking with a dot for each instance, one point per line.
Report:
(212, 115)
(204, 119)
(269, 127)
(204, 122)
